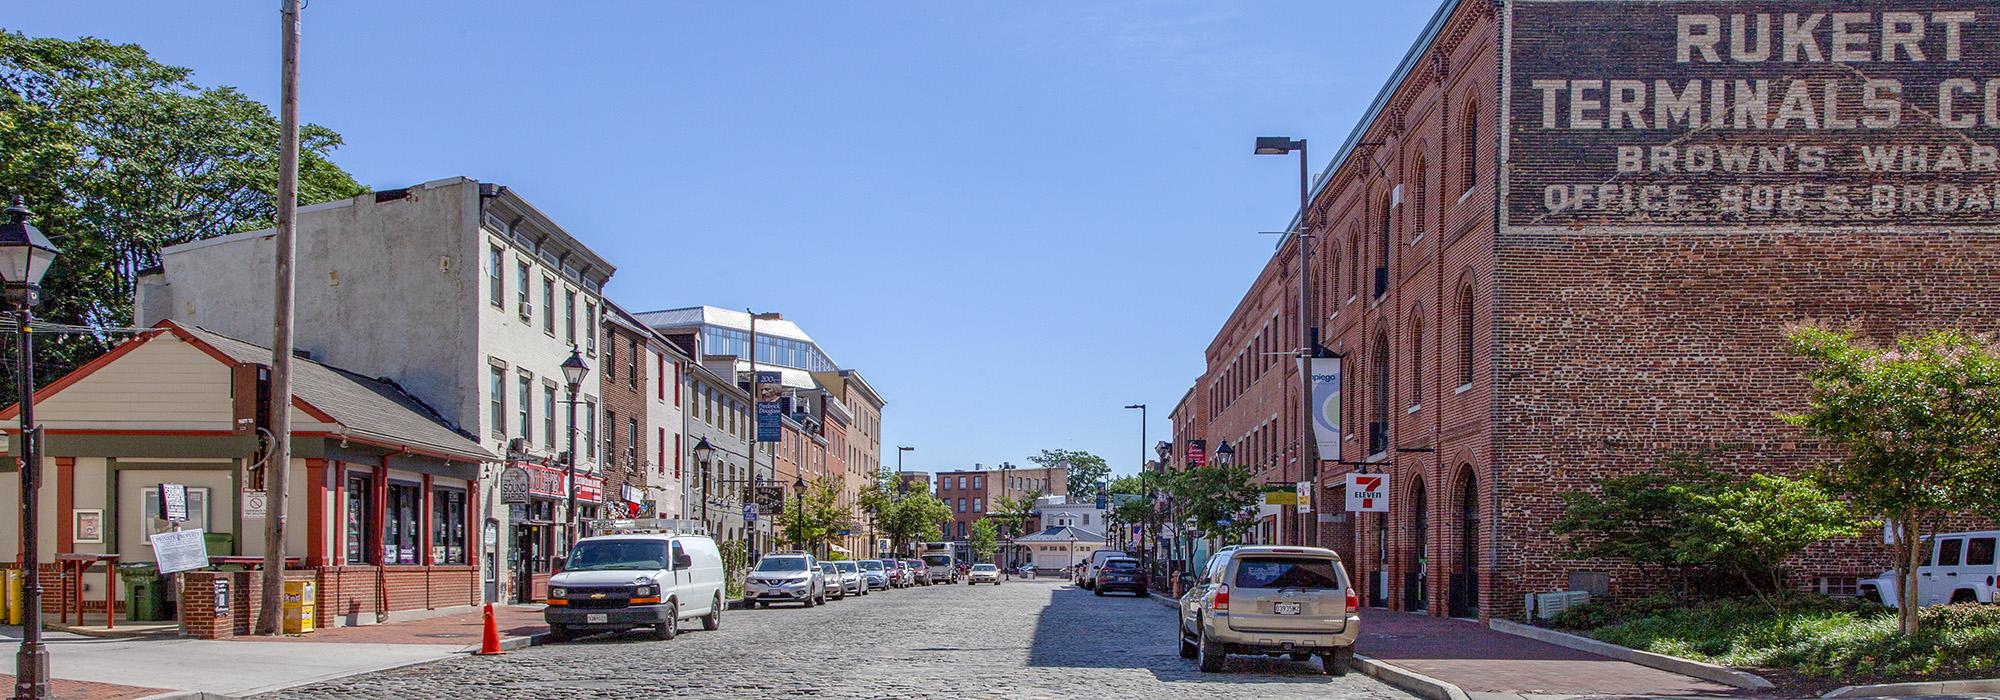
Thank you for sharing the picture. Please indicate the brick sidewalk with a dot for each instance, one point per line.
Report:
(87, 690)
(464, 628)
(1480, 660)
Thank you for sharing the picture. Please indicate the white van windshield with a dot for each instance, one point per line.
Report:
(607, 555)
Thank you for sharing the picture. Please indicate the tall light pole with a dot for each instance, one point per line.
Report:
(799, 516)
(574, 369)
(1308, 339)
(1164, 449)
(25, 255)
(899, 468)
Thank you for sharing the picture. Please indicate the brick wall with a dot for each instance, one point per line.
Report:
(626, 397)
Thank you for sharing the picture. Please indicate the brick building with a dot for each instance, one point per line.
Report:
(970, 493)
(1611, 295)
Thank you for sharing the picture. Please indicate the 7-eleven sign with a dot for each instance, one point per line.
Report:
(1367, 493)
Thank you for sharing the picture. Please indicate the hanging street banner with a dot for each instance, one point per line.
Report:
(770, 500)
(770, 395)
(1305, 496)
(1727, 115)
(1197, 453)
(1367, 493)
(1325, 373)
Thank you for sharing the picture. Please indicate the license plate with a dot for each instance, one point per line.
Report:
(1285, 608)
(597, 617)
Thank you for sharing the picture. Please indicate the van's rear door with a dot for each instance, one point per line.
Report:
(1287, 593)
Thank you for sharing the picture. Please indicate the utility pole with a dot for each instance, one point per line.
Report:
(279, 464)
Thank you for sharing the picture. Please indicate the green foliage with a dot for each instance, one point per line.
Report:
(1689, 518)
(815, 520)
(735, 560)
(985, 539)
(1139, 511)
(119, 155)
(1920, 423)
(1820, 637)
(1139, 484)
(908, 517)
(1216, 499)
(1013, 513)
(1086, 470)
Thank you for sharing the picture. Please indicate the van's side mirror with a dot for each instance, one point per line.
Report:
(683, 560)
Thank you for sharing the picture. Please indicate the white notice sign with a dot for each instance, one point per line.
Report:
(179, 550)
(254, 504)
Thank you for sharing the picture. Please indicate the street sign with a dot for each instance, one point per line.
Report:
(173, 503)
(749, 512)
(179, 550)
(1305, 496)
(514, 484)
(770, 499)
(255, 505)
(1367, 493)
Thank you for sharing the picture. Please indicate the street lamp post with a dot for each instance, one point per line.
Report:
(1224, 456)
(1308, 340)
(1164, 449)
(573, 370)
(703, 451)
(799, 516)
(25, 255)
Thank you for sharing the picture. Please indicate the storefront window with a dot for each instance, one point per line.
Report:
(448, 526)
(399, 533)
(360, 507)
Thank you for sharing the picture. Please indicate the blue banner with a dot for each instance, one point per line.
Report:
(769, 427)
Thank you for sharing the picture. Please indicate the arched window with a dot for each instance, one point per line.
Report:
(1354, 264)
(1417, 358)
(1383, 236)
(1468, 157)
(1465, 333)
(1378, 424)
(1418, 201)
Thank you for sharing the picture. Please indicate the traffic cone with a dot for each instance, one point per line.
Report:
(489, 643)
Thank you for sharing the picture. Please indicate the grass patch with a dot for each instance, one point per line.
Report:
(1817, 637)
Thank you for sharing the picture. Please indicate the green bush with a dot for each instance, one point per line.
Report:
(1817, 636)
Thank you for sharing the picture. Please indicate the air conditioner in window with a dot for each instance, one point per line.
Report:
(519, 446)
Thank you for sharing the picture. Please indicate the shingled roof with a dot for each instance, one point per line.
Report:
(367, 409)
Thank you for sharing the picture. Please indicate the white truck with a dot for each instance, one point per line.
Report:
(943, 564)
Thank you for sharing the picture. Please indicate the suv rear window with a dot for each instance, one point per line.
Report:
(1285, 572)
(1122, 565)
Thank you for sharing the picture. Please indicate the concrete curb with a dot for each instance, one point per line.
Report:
(1981, 686)
(1407, 680)
(1686, 667)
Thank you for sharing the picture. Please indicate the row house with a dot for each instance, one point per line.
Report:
(467, 296)
(1501, 348)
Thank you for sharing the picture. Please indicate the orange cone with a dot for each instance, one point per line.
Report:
(489, 643)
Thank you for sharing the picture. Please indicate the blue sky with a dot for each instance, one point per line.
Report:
(1012, 218)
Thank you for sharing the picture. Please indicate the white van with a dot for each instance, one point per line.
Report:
(621, 582)
(1957, 567)
(1088, 577)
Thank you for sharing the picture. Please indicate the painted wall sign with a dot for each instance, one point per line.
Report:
(1751, 113)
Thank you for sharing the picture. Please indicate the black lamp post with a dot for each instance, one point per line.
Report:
(702, 453)
(1164, 449)
(574, 369)
(25, 255)
(1224, 454)
(799, 516)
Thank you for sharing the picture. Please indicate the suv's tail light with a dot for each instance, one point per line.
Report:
(1222, 598)
(1353, 602)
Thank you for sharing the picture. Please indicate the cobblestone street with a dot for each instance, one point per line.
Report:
(1016, 640)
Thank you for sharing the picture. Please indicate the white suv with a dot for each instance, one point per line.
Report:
(1275, 601)
(790, 577)
(618, 582)
(1957, 567)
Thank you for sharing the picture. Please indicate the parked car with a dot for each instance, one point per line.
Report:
(1121, 574)
(899, 574)
(983, 573)
(620, 582)
(919, 571)
(1955, 567)
(874, 574)
(1086, 570)
(835, 587)
(1275, 601)
(1027, 571)
(851, 582)
(790, 577)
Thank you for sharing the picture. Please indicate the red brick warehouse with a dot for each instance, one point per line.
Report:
(1609, 283)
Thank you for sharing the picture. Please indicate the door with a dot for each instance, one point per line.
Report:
(1465, 581)
(1417, 584)
(1935, 581)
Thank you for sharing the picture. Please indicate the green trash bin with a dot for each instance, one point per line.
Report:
(145, 597)
(219, 544)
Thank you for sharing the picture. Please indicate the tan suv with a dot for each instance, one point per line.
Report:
(1275, 601)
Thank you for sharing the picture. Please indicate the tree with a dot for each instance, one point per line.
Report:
(815, 520)
(1216, 499)
(119, 155)
(1135, 484)
(1014, 513)
(1636, 518)
(1919, 422)
(912, 518)
(1086, 470)
(1748, 528)
(985, 539)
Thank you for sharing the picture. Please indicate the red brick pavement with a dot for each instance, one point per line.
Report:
(464, 628)
(1478, 660)
(87, 690)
